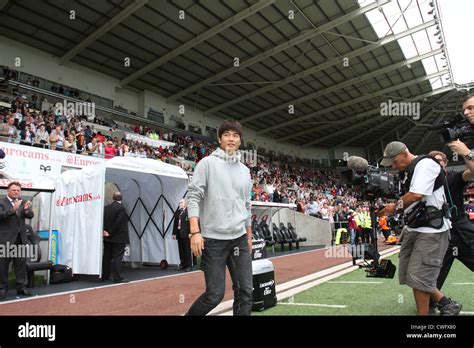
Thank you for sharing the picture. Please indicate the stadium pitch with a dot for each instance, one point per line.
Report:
(355, 294)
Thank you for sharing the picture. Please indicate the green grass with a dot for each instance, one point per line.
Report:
(39, 280)
(387, 298)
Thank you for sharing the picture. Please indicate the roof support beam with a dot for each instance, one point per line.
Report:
(306, 35)
(320, 67)
(437, 102)
(391, 119)
(133, 7)
(197, 40)
(363, 134)
(427, 134)
(375, 111)
(345, 104)
(3, 3)
(338, 86)
(357, 125)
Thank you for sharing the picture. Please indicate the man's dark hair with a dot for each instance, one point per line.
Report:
(467, 97)
(230, 125)
(14, 183)
(117, 196)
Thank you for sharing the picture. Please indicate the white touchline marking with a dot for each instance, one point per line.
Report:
(462, 283)
(352, 282)
(312, 304)
(301, 284)
(466, 313)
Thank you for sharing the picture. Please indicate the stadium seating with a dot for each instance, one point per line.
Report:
(281, 239)
(292, 231)
(265, 233)
(291, 234)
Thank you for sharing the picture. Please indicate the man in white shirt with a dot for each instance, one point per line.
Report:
(42, 136)
(325, 212)
(94, 148)
(424, 238)
(269, 188)
(60, 137)
(312, 208)
(18, 117)
(9, 130)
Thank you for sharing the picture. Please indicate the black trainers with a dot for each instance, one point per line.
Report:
(121, 280)
(451, 309)
(433, 311)
(24, 292)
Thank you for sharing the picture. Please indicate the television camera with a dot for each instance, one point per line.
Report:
(457, 128)
(375, 184)
(373, 181)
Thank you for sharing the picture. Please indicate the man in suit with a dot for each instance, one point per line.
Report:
(115, 238)
(13, 212)
(181, 233)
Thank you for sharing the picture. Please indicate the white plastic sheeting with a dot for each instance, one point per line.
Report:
(151, 190)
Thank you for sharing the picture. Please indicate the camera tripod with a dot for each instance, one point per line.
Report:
(377, 268)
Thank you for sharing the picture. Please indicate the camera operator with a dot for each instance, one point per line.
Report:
(462, 229)
(468, 108)
(425, 236)
(461, 244)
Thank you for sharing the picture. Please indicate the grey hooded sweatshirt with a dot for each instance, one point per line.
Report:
(219, 194)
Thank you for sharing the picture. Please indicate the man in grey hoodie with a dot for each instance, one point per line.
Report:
(220, 223)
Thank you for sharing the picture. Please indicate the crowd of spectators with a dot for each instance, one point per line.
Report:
(313, 191)
(316, 192)
(24, 123)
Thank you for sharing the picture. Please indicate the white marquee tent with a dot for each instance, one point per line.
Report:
(151, 190)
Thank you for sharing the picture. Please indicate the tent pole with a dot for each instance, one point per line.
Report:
(271, 227)
(163, 229)
(48, 273)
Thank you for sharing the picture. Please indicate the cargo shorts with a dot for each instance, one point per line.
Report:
(421, 258)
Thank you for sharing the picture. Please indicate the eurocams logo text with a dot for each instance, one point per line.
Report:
(86, 197)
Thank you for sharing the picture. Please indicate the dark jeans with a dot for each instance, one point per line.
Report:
(19, 265)
(113, 254)
(218, 254)
(184, 246)
(461, 247)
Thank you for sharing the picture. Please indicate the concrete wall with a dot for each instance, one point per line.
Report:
(339, 153)
(127, 99)
(44, 65)
(316, 231)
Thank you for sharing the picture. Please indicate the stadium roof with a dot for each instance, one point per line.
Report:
(309, 72)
